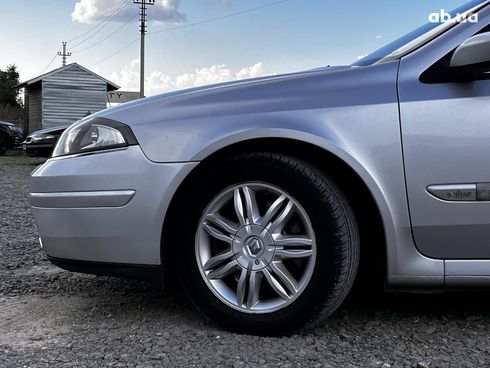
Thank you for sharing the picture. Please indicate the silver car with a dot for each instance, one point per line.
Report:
(266, 196)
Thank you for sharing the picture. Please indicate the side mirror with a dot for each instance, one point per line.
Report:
(468, 63)
(475, 50)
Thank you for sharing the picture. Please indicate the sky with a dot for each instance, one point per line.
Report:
(195, 42)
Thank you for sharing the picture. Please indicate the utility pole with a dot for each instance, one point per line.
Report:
(64, 54)
(143, 8)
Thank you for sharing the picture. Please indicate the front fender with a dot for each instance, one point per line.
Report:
(366, 138)
(376, 157)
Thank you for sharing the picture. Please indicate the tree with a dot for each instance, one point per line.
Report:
(11, 108)
(8, 79)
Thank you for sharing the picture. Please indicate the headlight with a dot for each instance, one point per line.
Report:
(94, 134)
(15, 128)
(41, 137)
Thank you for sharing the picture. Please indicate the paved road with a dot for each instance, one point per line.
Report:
(49, 317)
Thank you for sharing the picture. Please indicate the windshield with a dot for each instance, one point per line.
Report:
(423, 33)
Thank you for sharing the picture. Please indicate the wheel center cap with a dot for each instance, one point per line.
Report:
(254, 245)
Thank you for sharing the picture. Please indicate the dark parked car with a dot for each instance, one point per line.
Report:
(11, 136)
(42, 142)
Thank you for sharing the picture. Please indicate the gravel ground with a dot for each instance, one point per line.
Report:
(49, 317)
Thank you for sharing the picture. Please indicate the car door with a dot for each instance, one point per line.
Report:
(445, 127)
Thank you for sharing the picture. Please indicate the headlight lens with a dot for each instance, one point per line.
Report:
(41, 137)
(15, 129)
(94, 134)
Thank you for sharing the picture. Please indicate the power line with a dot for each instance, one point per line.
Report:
(49, 64)
(116, 52)
(105, 38)
(84, 33)
(192, 25)
(93, 28)
(219, 18)
(104, 24)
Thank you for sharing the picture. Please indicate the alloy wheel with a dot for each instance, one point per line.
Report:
(255, 247)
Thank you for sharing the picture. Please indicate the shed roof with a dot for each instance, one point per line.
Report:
(110, 85)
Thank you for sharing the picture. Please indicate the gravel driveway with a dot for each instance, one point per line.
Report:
(49, 317)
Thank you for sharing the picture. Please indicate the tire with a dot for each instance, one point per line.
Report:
(4, 144)
(322, 265)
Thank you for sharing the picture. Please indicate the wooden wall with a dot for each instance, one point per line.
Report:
(33, 104)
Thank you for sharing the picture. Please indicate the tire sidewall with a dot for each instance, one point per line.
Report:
(318, 202)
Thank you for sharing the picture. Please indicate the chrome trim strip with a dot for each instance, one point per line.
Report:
(454, 192)
(113, 198)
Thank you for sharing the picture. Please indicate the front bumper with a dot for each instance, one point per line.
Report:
(105, 207)
(17, 141)
(38, 149)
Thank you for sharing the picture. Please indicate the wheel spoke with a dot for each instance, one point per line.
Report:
(290, 240)
(254, 282)
(217, 259)
(239, 210)
(223, 223)
(293, 253)
(293, 246)
(280, 222)
(275, 284)
(251, 205)
(224, 271)
(242, 287)
(271, 212)
(285, 276)
(217, 234)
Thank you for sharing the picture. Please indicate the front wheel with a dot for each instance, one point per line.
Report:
(268, 246)
(4, 144)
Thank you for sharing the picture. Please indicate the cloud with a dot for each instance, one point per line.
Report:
(254, 71)
(93, 11)
(158, 82)
(378, 37)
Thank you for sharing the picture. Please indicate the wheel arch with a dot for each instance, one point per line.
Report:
(360, 195)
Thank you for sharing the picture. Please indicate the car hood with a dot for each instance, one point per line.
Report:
(51, 130)
(215, 97)
(187, 125)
